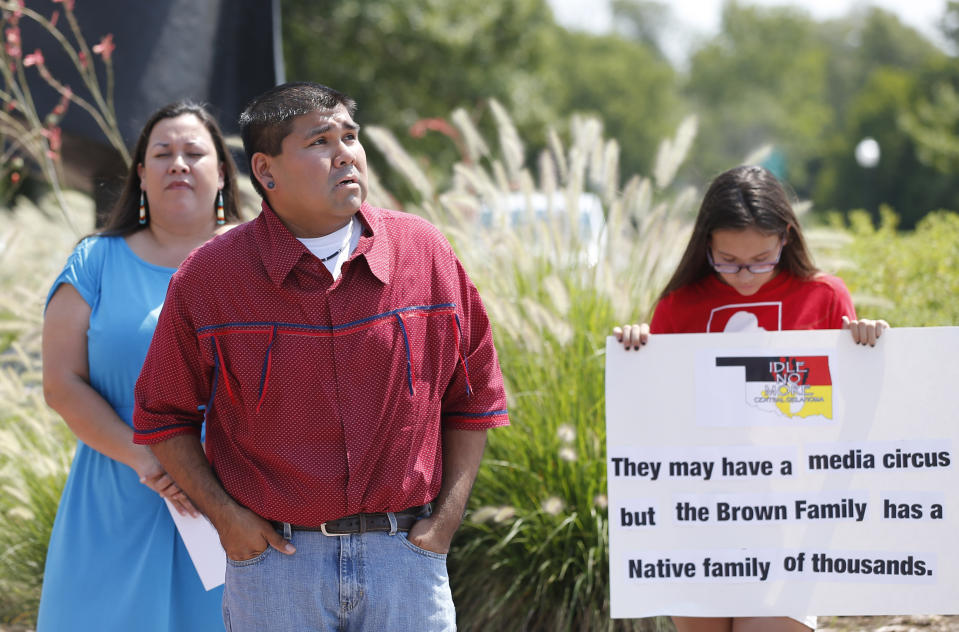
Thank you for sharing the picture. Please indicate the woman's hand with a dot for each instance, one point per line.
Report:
(153, 475)
(864, 331)
(632, 336)
(67, 389)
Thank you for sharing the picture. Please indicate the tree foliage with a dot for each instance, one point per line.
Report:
(772, 76)
(949, 24)
(627, 85)
(406, 63)
(645, 21)
(814, 90)
(933, 124)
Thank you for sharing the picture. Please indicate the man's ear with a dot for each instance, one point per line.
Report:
(260, 163)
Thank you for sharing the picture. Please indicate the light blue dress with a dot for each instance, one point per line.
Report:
(116, 561)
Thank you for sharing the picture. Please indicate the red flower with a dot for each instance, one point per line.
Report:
(420, 127)
(52, 135)
(68, 4)
(36, 57)
(13, 41)
(60, 109)
(105, 47)
(54, 18)
(83, 59)
(14, 177)
(13, 35)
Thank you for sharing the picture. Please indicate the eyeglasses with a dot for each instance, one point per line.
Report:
(754, 268)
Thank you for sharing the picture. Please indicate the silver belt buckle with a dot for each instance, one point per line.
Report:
(328, 534)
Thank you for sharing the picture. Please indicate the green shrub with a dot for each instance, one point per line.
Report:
(33, 467)
(909, 279)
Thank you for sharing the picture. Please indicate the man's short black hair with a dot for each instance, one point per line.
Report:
(268, 118)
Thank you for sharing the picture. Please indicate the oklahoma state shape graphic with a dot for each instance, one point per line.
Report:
(793, 386)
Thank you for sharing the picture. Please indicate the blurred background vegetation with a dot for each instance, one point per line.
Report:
(511, 132)
(808, 89)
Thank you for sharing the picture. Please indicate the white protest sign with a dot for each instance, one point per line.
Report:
(784, 473)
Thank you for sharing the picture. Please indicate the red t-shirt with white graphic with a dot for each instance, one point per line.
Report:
(785, 302)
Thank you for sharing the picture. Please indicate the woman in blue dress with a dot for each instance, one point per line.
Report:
(115, 560)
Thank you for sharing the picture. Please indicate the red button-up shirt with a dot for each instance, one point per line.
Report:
(322, 398)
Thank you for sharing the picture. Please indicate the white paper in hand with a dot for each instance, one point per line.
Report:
(203, 544)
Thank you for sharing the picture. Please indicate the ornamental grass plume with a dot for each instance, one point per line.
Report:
(553, 505)
(560, 253)
(566, 433)
(483, 514)
(35, 445)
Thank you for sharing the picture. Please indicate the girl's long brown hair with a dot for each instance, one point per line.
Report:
(744, 197)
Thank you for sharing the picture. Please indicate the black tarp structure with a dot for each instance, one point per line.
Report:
(219, 52)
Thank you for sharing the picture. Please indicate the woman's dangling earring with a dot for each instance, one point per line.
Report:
(220, 218)
(143, 209)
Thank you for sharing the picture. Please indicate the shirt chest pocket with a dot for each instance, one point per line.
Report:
(420, 349)
(264, 367)
(242, 359)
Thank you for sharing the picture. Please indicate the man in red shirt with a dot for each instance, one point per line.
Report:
(345, 368)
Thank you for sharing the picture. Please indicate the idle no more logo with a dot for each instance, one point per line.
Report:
(790, 386)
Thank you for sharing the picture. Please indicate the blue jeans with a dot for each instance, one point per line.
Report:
(352, 583)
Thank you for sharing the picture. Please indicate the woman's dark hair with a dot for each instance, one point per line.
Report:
(744, 197)
(123, 218)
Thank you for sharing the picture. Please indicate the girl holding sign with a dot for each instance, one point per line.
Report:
(747, 268)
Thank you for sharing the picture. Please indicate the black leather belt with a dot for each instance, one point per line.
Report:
(365, 522)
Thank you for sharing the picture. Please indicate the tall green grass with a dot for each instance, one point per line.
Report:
(35, 445)
(532, 553)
